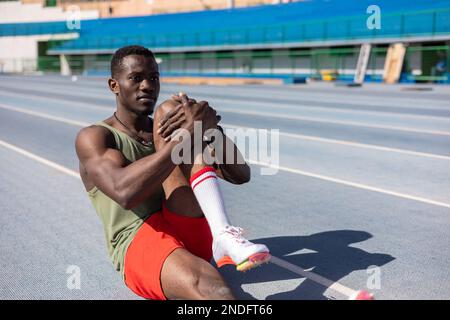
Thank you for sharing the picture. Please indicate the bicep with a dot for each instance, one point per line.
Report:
(101, 162)
(104, 166)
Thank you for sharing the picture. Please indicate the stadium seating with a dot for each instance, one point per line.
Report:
(316, 20)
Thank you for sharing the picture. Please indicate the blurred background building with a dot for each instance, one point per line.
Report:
(225, 40)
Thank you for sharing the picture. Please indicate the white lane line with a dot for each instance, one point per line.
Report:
(352, 184)
(336, 286)
(91, 106)
(349, 143)
(305, 99)
(44, 115)
(323, 109)
(339, 122)
(295, 106)
(44, 161)
(285, 134)
(286, 169)
(306, 96)
(282, 116)
(375, 100)
(281, 263)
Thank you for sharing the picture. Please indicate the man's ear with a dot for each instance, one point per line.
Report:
(113, 85)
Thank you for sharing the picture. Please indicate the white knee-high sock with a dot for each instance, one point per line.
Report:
(205, 185)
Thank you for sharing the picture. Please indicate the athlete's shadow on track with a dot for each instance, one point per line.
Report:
(329, 254)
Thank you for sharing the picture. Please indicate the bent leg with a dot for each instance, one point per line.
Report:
(202, 193)
(180, 196)
(185, 276)
(178, 191)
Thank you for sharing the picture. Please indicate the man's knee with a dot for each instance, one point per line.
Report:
(186, 276)
(159, 115)
(209, 285)
(164, 108)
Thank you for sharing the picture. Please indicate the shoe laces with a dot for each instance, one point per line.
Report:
(236, 233)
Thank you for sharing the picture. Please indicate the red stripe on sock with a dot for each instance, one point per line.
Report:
(200, 172)
(193, 187)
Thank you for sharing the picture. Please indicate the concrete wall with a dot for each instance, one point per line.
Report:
(15, 11)
(19, 54)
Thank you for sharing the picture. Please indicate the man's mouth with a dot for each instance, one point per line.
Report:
(146, 98)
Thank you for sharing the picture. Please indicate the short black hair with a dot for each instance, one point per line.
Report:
(121, 53)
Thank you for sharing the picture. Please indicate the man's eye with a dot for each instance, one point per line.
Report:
(136, 78)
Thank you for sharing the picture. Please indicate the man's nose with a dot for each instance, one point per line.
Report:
(146, 85)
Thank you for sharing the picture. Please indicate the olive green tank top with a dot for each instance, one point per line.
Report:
(120, 225)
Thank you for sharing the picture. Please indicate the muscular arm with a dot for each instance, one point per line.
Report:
(128, 185)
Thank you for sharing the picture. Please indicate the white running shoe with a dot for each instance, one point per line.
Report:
(230, 247)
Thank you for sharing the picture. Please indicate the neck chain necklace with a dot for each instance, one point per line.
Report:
(136, 137)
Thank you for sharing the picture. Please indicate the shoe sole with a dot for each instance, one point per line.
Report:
(361, 295)
(253, 261)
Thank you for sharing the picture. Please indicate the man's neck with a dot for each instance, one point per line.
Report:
(132, 121)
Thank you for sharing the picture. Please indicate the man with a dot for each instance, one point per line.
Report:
(163, 222)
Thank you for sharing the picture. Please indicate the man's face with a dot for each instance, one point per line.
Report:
(138, 84)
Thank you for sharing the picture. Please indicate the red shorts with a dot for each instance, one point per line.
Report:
(156, 239)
